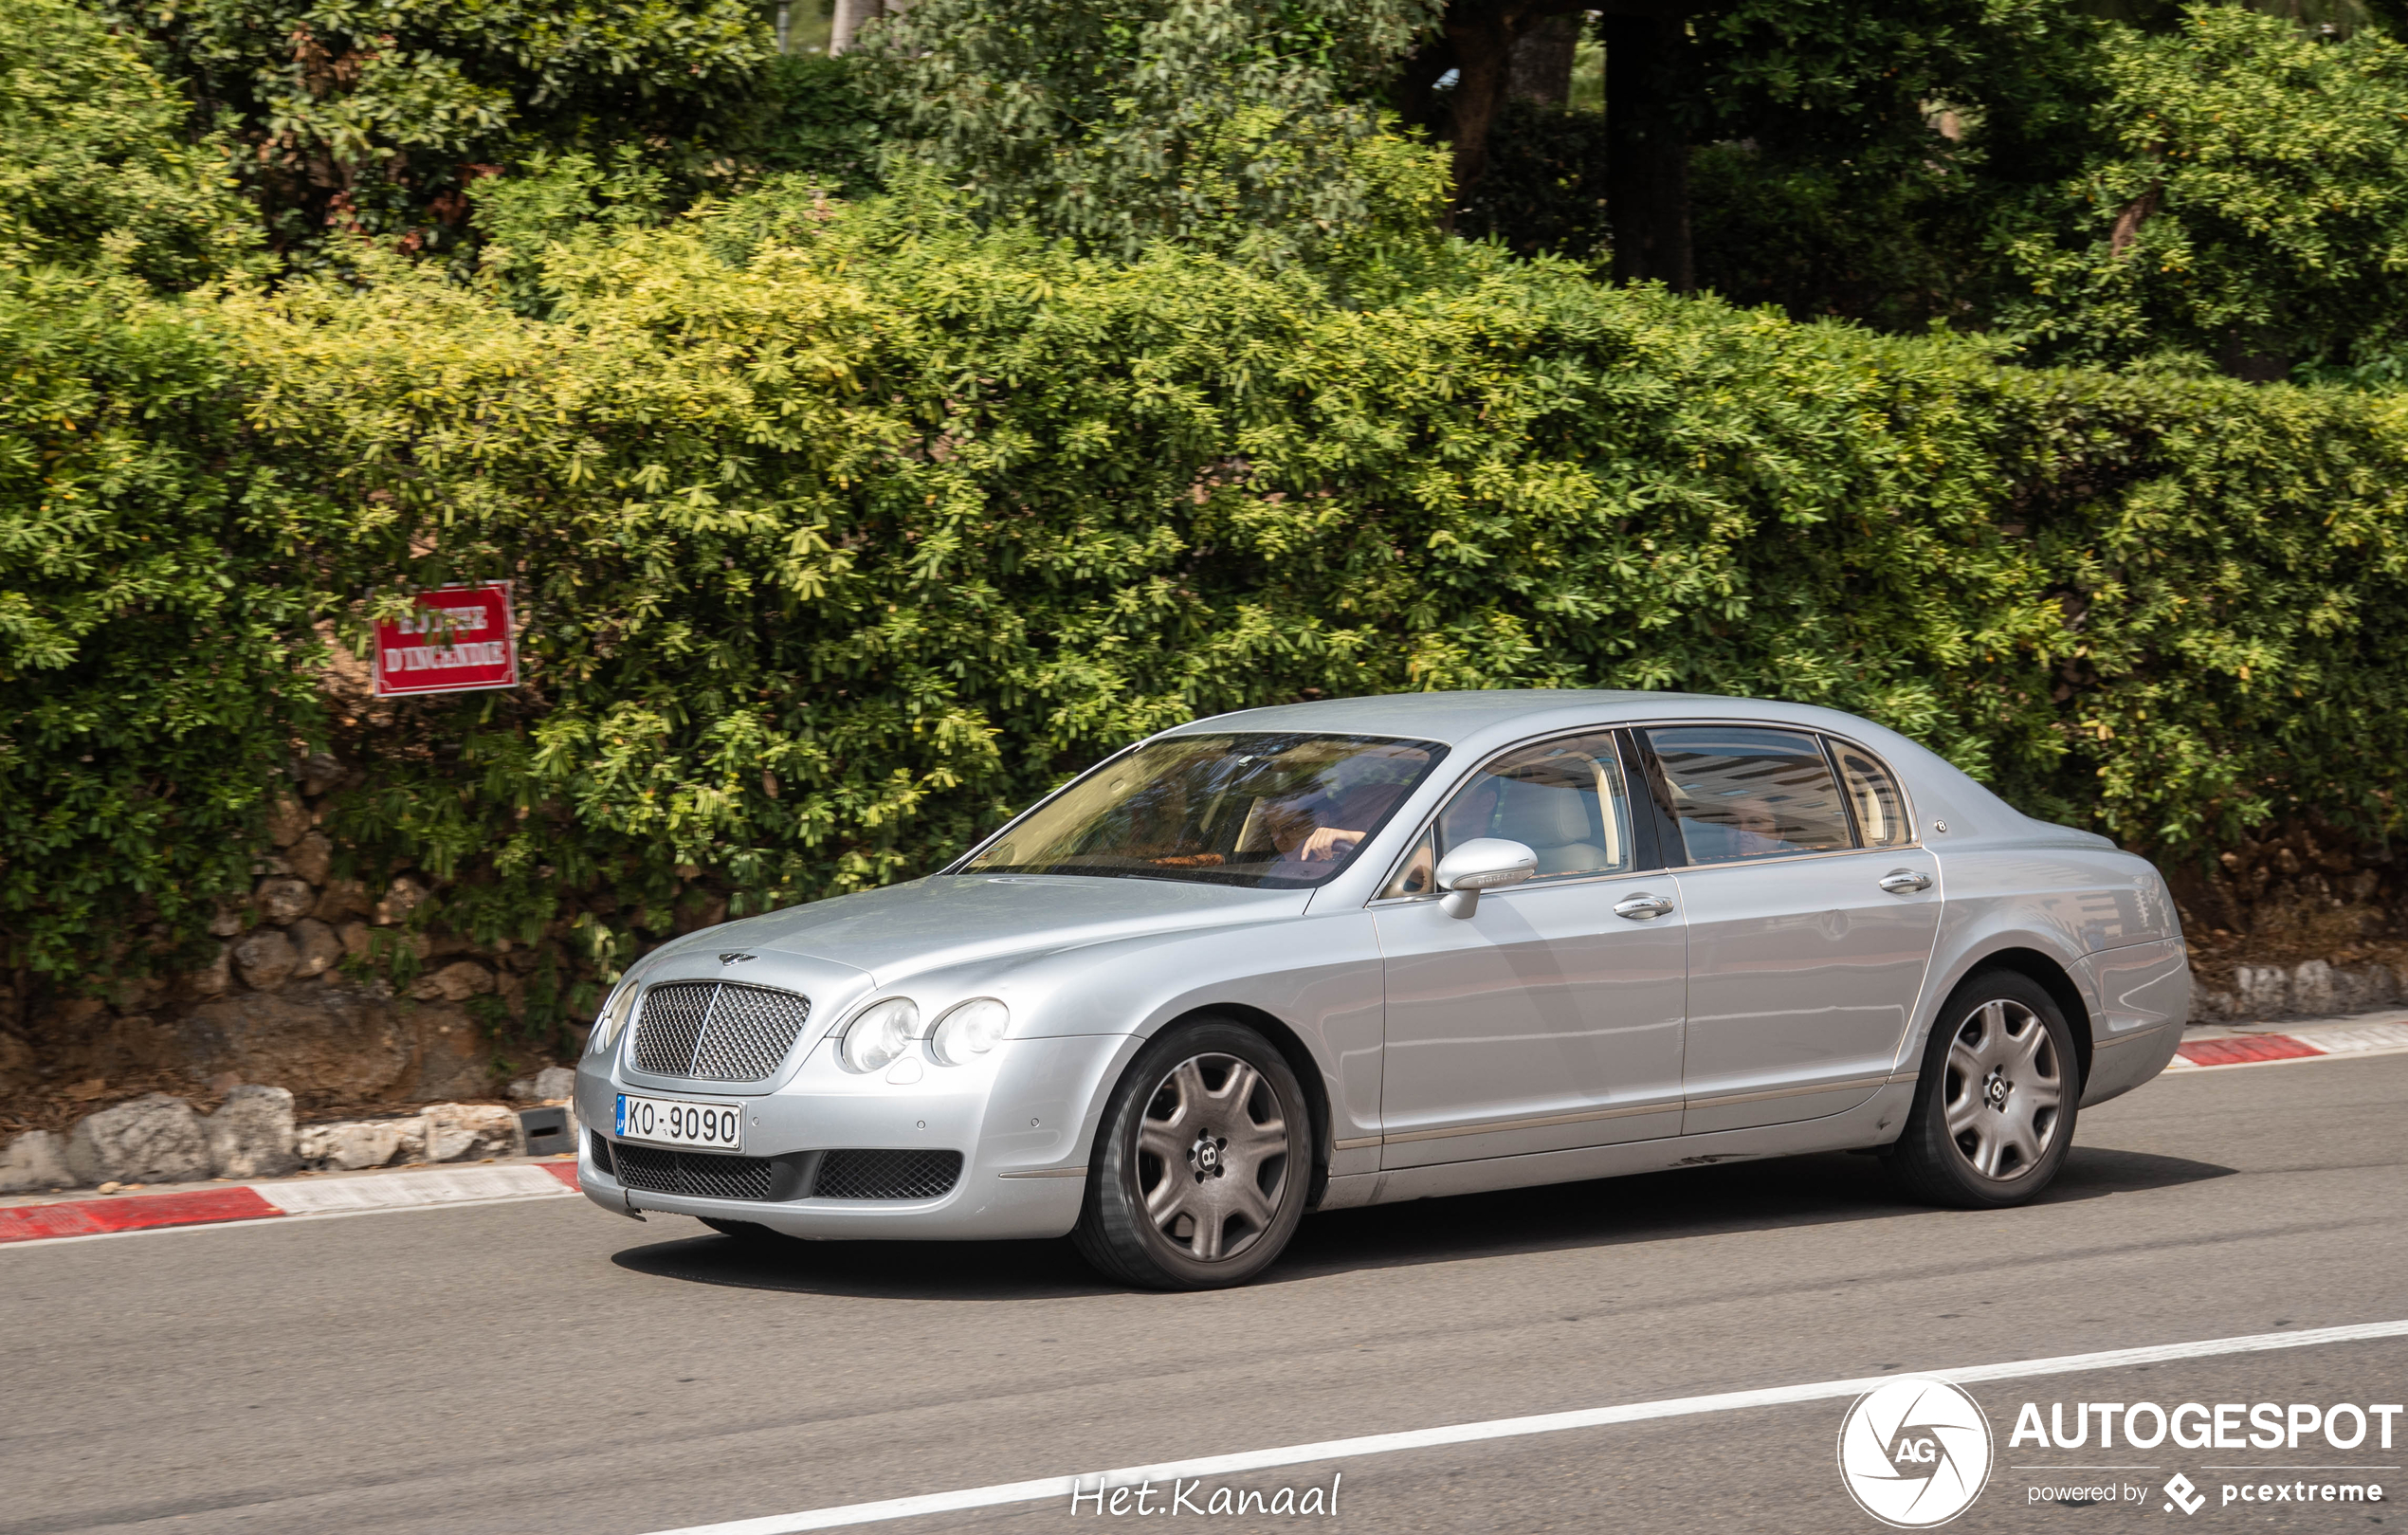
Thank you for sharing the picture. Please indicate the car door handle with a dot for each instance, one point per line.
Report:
(1642, 907)
(1905, 881)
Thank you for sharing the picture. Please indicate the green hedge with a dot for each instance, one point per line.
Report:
(840, 533)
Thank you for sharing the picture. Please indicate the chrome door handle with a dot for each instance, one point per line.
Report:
(1905, 881)
(1642, 907)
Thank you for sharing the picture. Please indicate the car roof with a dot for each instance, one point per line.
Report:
(1461, 718)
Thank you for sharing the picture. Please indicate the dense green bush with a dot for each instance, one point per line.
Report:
(841, 532)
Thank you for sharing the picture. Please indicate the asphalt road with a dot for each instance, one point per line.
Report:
(548, 1367)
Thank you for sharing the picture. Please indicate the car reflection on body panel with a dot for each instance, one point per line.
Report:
(1363, 950)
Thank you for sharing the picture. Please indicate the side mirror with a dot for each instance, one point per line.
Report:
(1481, 863)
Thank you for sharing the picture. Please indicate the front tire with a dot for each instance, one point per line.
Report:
(1202, 1163)
(1996, 1101)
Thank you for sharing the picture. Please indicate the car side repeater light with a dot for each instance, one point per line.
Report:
(880, 1032)
(972, 1028)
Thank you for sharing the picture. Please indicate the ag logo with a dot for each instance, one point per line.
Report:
(1914, 1452)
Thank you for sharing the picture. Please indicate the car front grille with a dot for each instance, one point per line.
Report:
(660, 1170)
(886, 1174)
(717, 1030)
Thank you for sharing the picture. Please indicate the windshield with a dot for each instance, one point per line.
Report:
(1273, 812)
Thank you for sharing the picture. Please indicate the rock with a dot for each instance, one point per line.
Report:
(266, 959)
(252, 1133)
(283, 898)
(136, 993)
(355, 936)
(311, 857)
(454, 982)
(333, 1042)
(315, 943)
(227, 921)
(2312, 987)
(319, 772)
(287, 821)
(33, 1162)
(2211, 1007)
(2261, 991)
(549, 1085)
(463, 1132)
(151, 1140)
(341, 900)
(354, 1143)
(402, 897)
(214, 978)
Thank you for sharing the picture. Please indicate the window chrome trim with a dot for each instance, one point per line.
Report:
(1907, 798)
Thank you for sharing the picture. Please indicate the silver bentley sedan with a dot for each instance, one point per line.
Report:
(1365, 950)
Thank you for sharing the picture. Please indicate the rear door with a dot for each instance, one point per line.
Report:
(1551, 1017)
(1811, 918)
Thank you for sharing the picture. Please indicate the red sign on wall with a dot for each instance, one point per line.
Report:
(459, 641)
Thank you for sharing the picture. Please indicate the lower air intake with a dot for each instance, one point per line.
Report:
(887, 1174)
(658, 1170)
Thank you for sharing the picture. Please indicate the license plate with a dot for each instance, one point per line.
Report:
(671, 1122)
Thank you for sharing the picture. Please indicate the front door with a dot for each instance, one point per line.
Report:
(1804, 965)
(1551, 1017)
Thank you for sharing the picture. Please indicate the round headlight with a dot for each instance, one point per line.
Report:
(881, 1032)
(972, 1028)
(616, 1008)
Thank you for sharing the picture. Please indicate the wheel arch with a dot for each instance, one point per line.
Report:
(2051, 976)
(1300, 1059)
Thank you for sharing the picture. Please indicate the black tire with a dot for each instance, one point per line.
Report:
(2000, 1068)
(1184, 1087)
(752, 1234)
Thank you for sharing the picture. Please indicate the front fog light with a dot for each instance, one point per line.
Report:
(879, 1033)
(972, 1028)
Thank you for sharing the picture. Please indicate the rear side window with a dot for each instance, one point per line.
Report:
(1743, 792)
(1872, 794)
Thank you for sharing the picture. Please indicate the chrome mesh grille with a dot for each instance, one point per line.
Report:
(715, 1031)
(660, 1170)
(886, 1174)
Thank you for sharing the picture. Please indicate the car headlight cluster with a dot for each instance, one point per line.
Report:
(880, 1032)
(616, 1008)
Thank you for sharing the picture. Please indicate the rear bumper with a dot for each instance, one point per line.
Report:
(2144, 1000)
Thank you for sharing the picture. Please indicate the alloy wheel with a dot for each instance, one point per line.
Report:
(1212, 1157)
(2005, 1090)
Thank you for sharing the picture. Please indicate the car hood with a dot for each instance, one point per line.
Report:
(949, 920)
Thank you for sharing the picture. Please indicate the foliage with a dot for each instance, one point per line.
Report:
(1234, 125)
(97, 171)
(374, 116)
(156, 588)
(817, 119)
(2250, 203)
(840, 533)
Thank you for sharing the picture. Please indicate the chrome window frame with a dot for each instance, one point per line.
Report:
(1827, 738)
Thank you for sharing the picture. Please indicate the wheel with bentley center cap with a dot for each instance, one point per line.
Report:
(1202, 1163)
(1996, 1101)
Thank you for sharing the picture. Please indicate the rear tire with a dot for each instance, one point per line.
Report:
(1202, 1163)
(1996, 1101)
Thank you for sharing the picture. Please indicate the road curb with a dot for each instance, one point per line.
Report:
(2371, 1033)
(110, 1216)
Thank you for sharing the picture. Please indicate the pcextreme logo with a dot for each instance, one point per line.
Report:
(1914, 1452)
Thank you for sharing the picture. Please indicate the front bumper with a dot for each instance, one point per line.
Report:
(1022, 1119)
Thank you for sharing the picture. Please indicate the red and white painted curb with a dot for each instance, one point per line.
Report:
(124, 1212)
(2380, 1034)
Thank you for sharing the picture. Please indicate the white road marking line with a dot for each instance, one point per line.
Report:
(394, 1190)
(1508, 1428)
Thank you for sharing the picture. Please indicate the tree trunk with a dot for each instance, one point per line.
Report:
(1542, 58)
(1481, 38)
(850, 15)
(1646, 193)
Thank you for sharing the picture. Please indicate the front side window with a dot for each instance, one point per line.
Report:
(1563, 799)
(1742, 792)
(1275, 811)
